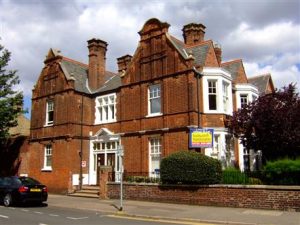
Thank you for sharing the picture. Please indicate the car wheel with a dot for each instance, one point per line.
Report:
(7, 201)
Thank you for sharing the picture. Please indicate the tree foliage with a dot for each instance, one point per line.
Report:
(11, 101)
(271, 124)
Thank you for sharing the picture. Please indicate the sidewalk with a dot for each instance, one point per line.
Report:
(213, 215)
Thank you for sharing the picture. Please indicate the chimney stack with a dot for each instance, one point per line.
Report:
(97, 59)
(218, 52)
(123, 63)
(193, 33)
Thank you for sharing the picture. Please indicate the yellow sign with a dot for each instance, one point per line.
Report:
(201, 138)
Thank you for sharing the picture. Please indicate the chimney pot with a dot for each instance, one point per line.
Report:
(193, 33)
(218, 52)
(123, 63)
(97, 60)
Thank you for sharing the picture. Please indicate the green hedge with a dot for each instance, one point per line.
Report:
(282, 172)
(186, 167)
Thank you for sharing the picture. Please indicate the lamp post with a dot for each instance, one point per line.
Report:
(120, 154)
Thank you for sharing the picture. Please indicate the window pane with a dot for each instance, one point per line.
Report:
(155, 105)
(212, 102)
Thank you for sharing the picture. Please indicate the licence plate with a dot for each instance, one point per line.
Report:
(35, 190)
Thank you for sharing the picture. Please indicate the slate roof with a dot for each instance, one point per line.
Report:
(232, 67)
(78, 72)
(261, 82)
(199, 52)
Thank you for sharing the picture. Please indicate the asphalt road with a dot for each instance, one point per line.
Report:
(51, 215)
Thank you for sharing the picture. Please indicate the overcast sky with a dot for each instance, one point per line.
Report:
(264, 33)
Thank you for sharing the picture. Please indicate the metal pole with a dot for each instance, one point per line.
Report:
(120, 155)
(198, 104)
(121, 185)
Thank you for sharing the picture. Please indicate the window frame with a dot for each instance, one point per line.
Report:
(212, 94)
(48, 153)
(225, 96)
(155, 150)
(156, 96)
(219, 76)
(106, 108)
(244, 96)
(49, 122)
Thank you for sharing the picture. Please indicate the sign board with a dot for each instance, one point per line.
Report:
(201, 138)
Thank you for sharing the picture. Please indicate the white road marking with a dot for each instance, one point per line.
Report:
(77, 218)
(25, 210)
(2, 216)
(42, 224)
(53, 215)
(38, 212)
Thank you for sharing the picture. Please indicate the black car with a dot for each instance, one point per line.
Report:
(15, 190)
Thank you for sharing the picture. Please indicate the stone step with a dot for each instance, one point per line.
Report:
(87, 191)
(90, 187)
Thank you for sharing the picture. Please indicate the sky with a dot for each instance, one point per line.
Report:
(265, 34)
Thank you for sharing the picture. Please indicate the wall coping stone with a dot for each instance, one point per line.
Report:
(269, 187)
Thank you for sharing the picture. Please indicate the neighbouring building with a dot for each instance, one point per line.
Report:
(15, 152)
(81, 113)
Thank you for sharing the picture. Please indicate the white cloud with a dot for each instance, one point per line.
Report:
(280, 76)
(267, 42)
(259, 44)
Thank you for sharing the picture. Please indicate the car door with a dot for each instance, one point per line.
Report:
(1, 188)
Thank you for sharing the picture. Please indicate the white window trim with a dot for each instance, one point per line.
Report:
(149, 104)
(220, 79)
(47, 122)
(151, 174)
(45, 167)
(245, 89)
(97, 106)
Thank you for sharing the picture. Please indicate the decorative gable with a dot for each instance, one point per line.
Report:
(156, 55)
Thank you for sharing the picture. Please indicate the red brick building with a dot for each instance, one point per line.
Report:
(82, 113)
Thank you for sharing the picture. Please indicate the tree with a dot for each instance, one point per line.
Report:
(270, 124)
(11, 101)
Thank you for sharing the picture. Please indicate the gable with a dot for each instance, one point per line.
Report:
(156, 55)
(263, 83)
(236, 69)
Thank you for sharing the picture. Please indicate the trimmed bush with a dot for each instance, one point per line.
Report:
(186, 167)
(282, 172)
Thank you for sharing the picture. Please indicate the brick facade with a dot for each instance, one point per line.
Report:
(77, 89)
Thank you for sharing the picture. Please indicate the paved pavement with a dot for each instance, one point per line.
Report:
(188, 213)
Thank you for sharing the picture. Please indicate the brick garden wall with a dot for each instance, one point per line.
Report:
(254, 196)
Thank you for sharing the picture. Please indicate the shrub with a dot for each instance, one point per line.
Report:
(141, 179)
(282, 172)
(186, 167)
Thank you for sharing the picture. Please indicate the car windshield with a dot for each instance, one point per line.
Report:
(28, 181)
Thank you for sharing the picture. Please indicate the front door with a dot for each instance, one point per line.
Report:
(100, 162)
